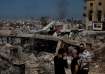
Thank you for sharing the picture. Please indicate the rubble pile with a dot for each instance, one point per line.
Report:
(25, 60)
(46, 63)
(40, 64)
(21, 62)
(5, 58)
(99, 60)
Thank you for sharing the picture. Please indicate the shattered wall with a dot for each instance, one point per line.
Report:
(28, 59)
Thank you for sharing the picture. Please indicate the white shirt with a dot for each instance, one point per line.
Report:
(85, 57)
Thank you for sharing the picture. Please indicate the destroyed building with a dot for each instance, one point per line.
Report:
(94, 12)
(32, 53)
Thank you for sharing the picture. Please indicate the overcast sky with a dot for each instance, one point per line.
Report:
(37, 8)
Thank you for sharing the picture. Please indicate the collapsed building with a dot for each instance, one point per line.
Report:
(32, 53)
(24, 57)
(27, 53)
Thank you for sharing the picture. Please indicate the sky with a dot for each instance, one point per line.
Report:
(38, 8)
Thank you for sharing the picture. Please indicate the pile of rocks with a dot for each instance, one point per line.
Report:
(99, 60)
(40, 64)
(46, 63)
(10, 61)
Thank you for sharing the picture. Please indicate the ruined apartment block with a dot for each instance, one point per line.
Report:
(94, 12)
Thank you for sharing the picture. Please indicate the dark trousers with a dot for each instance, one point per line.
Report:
(83, 72)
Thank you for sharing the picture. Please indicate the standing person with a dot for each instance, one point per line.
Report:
(60, 62)
(74, 62)
(84, 60)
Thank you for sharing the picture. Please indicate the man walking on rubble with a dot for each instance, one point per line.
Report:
(60, 62)
(85, 58)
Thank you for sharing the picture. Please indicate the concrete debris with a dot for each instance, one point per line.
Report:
(45, 56)
(40, 64)
(24, 52)
(5, 57)
(31, 65)
(47, 65)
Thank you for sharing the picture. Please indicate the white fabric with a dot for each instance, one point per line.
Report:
(85, 58)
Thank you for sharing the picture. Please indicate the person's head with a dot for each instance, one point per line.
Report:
(61, 52)
(82, 47)
(73, 52)
(70, 49)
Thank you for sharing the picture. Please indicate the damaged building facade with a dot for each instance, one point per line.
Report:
(94, 12)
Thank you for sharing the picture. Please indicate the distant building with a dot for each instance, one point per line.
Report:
(94, 11)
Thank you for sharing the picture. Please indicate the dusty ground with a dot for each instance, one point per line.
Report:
(69, 72)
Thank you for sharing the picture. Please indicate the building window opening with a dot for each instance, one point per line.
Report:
(84, 15)
(99, 15)
(99, 3)
(90, 12)
(90, 15)
(85, 7)
(91, 4)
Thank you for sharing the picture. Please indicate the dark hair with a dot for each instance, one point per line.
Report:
(82, 44)
(61, 51)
